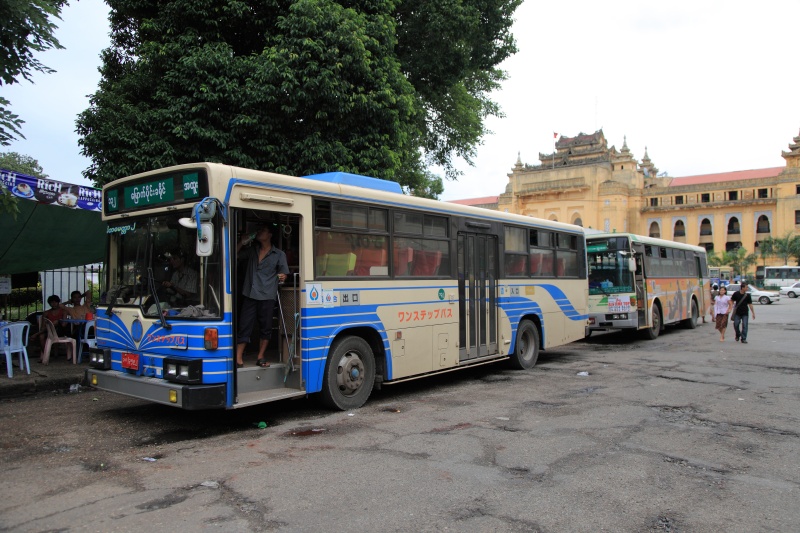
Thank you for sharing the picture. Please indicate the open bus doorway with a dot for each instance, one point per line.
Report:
(279, 371)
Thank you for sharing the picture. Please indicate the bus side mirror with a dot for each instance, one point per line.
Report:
(205, 239)
(631, 264)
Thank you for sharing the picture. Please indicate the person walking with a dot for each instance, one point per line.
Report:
(720, 310)
(266, 267)
(741, 301)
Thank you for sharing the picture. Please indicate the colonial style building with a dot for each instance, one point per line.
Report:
(588, 183)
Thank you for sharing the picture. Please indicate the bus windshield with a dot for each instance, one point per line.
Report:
(153, 264)
(608, 266)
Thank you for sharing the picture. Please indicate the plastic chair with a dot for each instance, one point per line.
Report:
(53, 338)
(88, 338)
(17, 339)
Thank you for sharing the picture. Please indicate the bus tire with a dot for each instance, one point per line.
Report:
(526, 350)
(691, 322)
(652, 332)
(349, 374)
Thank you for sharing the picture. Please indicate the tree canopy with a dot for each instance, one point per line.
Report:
(382, 88)
(27, 28)
(23, 164)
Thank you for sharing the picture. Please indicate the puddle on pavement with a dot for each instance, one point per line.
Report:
(307, 432)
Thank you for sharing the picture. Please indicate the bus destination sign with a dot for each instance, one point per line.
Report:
(170, 189)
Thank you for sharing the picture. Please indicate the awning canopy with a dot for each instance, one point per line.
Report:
(58, 225)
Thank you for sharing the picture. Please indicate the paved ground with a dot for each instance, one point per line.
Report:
(683, 433)
(57, 375)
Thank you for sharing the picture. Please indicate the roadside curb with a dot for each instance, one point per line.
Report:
(14, 390)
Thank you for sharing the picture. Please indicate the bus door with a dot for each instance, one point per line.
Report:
(477, 295)
(254, 384)
(642, 313)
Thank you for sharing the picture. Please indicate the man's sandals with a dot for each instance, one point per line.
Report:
(263, 363)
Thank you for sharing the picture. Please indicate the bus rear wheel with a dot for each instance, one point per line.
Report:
(526, 350)
(691, 322)
(349, 374)
(652, 332)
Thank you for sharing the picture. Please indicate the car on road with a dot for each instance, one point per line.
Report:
(791, 291)
(762, 297)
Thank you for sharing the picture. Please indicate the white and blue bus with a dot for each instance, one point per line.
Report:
(384, 287)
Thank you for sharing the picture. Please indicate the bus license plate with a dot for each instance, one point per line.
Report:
(130, 361)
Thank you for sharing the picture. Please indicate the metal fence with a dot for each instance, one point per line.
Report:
(31, 295)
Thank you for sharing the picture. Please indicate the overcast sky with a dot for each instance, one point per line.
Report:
(705, 86)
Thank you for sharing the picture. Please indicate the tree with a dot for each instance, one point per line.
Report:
(24, 164)
(740, 261)
(16, 163)
(27, 28)
(299, 87)
(766, 248)
(715, 259)
(431, 188)
(786, 247)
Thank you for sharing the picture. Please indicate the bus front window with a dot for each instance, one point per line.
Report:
(608, 273)
(153, 265)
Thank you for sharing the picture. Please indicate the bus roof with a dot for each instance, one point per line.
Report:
(646, 240)
(366, 182)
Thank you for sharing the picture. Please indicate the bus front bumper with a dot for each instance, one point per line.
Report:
(606, 321)
(190, 397)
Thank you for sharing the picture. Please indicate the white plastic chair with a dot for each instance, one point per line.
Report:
(53, 338)
(90, 341)
(17, 340)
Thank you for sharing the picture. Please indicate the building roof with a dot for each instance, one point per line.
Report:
(727, 176)
(477, 201)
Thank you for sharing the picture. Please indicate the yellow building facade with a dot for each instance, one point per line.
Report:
(586, 182)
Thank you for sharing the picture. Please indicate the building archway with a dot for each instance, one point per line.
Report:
(762, 226)
(705, 228)
(733, 226)
(655, 230)
(679, 230)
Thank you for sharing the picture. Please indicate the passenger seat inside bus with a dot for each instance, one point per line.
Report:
(426, 263)
(371, 262)
(402, 258)
(340, 264)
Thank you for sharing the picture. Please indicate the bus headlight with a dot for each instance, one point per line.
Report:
(100, 358)
(183, 371)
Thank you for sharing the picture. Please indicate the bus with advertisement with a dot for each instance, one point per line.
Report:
(383, 287)
(642, 283)
(722, 276)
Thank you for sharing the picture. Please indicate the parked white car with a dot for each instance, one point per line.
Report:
(791, 291)
(762, 297)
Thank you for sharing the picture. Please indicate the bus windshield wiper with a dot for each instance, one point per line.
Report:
(152, 286)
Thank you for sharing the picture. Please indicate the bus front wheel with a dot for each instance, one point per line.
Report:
(653, 331)
(349, 374)
(526, 351)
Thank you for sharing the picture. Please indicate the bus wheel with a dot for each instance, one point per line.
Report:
(652, 332)
(526, 351)
(691, 322)
(349, 374)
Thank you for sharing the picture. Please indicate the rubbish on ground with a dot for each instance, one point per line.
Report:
(75, 388)
(502, 418)
(584, 373)
(262, 425)
(149, 459)
(210, 484)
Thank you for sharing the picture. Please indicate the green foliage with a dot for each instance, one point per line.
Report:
(786, 247)
(715, 259)
(431, 187)
(17, 163)
(740, 261)
(21, 163)
(298, 87)
(27, 29)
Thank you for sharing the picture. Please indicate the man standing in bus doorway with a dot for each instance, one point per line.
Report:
(266, 267)
(741, 301)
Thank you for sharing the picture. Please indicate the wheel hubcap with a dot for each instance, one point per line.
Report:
(350, 373)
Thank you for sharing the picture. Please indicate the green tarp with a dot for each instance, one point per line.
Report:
(58, 226)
